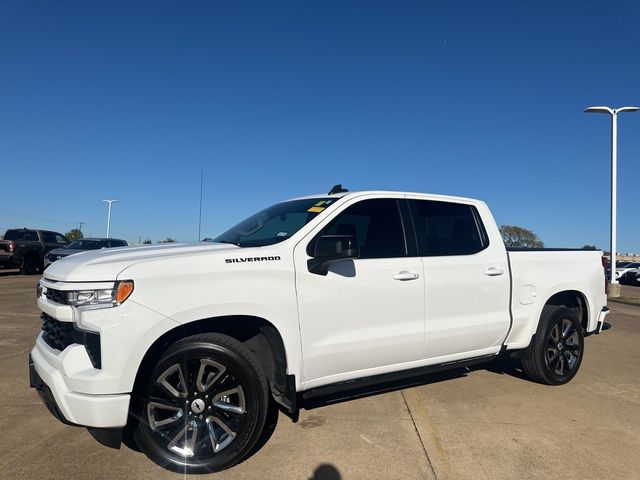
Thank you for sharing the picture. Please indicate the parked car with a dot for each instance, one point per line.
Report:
(25, 248)
(185, 348)
(622, 270)
(82, 245)
(630, 277)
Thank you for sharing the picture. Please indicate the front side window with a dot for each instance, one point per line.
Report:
(275, 224)
(377, 226)
(444, 228)
(60, 238)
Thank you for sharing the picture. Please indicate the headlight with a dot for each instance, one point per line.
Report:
(106, 298)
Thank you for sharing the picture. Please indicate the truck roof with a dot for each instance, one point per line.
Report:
(426, 196)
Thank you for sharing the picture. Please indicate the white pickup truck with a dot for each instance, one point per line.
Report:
(185, 348)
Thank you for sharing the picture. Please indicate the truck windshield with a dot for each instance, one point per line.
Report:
(274, 224)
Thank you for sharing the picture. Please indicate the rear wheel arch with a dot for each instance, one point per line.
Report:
(574, 300)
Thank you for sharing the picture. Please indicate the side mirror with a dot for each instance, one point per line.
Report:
(331, 248)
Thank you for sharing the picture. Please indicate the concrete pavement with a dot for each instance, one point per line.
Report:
(484, 423)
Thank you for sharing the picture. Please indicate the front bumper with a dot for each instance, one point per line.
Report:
(72, 408)
(85, 361)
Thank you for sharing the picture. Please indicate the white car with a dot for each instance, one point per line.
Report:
(628, 266)
(186, 347)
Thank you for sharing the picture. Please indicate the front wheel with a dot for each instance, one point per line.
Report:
(204, 406)
(555, 354)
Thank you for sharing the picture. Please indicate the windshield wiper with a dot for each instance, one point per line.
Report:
(237, 244)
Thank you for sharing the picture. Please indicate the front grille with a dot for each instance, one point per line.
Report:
(59, 335)
(57, 296)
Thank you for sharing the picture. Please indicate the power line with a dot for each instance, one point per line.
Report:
(31, 217)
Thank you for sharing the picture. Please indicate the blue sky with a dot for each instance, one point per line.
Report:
(131, 100)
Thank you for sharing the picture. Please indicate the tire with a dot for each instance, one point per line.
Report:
(204, 406)
(30, 264)
(556, 352)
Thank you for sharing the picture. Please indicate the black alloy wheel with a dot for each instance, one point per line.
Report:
(30, 264)
(555, 354)
(204, 406)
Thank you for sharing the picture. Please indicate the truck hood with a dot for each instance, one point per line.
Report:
(105, 265)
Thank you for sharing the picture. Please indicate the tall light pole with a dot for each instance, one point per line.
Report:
(613, 112)
(109, 215)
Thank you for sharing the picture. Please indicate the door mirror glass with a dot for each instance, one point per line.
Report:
(336, 246)
(331, 248)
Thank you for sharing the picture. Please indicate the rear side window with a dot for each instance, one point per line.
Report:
(444, 228)
(31, 236)
(377, 226)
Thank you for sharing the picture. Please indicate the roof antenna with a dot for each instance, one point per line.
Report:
(337, 189)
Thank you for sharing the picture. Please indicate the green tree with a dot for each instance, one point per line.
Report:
(74, 234)
(514, 236)
(589, 247)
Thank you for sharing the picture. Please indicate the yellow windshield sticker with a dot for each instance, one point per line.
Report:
(315, 209)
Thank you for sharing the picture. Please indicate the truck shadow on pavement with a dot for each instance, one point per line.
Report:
(9, 273)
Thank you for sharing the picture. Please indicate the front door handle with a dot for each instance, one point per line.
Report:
(493, 271)
(404, 276)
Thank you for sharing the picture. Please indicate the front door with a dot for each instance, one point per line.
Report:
(366, 313)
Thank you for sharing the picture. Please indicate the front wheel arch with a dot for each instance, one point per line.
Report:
(257, 334)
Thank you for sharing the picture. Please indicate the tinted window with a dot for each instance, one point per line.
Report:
(376, 224)
(31, 236)
(48, 237)
(85, 245)
(14, 235)
(60, 238)
(444, 228)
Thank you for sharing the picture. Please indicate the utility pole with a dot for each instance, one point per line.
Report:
(613, 112)
(109, 215)
(200, 216)
(81, 223)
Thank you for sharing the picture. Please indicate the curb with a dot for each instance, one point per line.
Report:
(625, 300)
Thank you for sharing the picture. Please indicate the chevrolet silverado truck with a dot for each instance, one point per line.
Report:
(25, 249)
(184, 349)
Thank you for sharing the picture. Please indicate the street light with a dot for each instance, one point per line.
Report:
(109, 215)
(613, 112)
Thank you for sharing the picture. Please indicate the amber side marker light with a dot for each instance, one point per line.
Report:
(124, 289)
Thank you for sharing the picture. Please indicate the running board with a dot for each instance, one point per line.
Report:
(352, 388)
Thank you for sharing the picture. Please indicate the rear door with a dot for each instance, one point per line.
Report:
(467, 283)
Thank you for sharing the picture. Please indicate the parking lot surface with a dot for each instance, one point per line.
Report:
(484, 423)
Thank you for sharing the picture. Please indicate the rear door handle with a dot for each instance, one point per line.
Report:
(493, 271)
(404, 276)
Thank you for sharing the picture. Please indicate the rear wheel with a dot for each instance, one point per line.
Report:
(204, 406)
(555, 355)
(30, 264)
